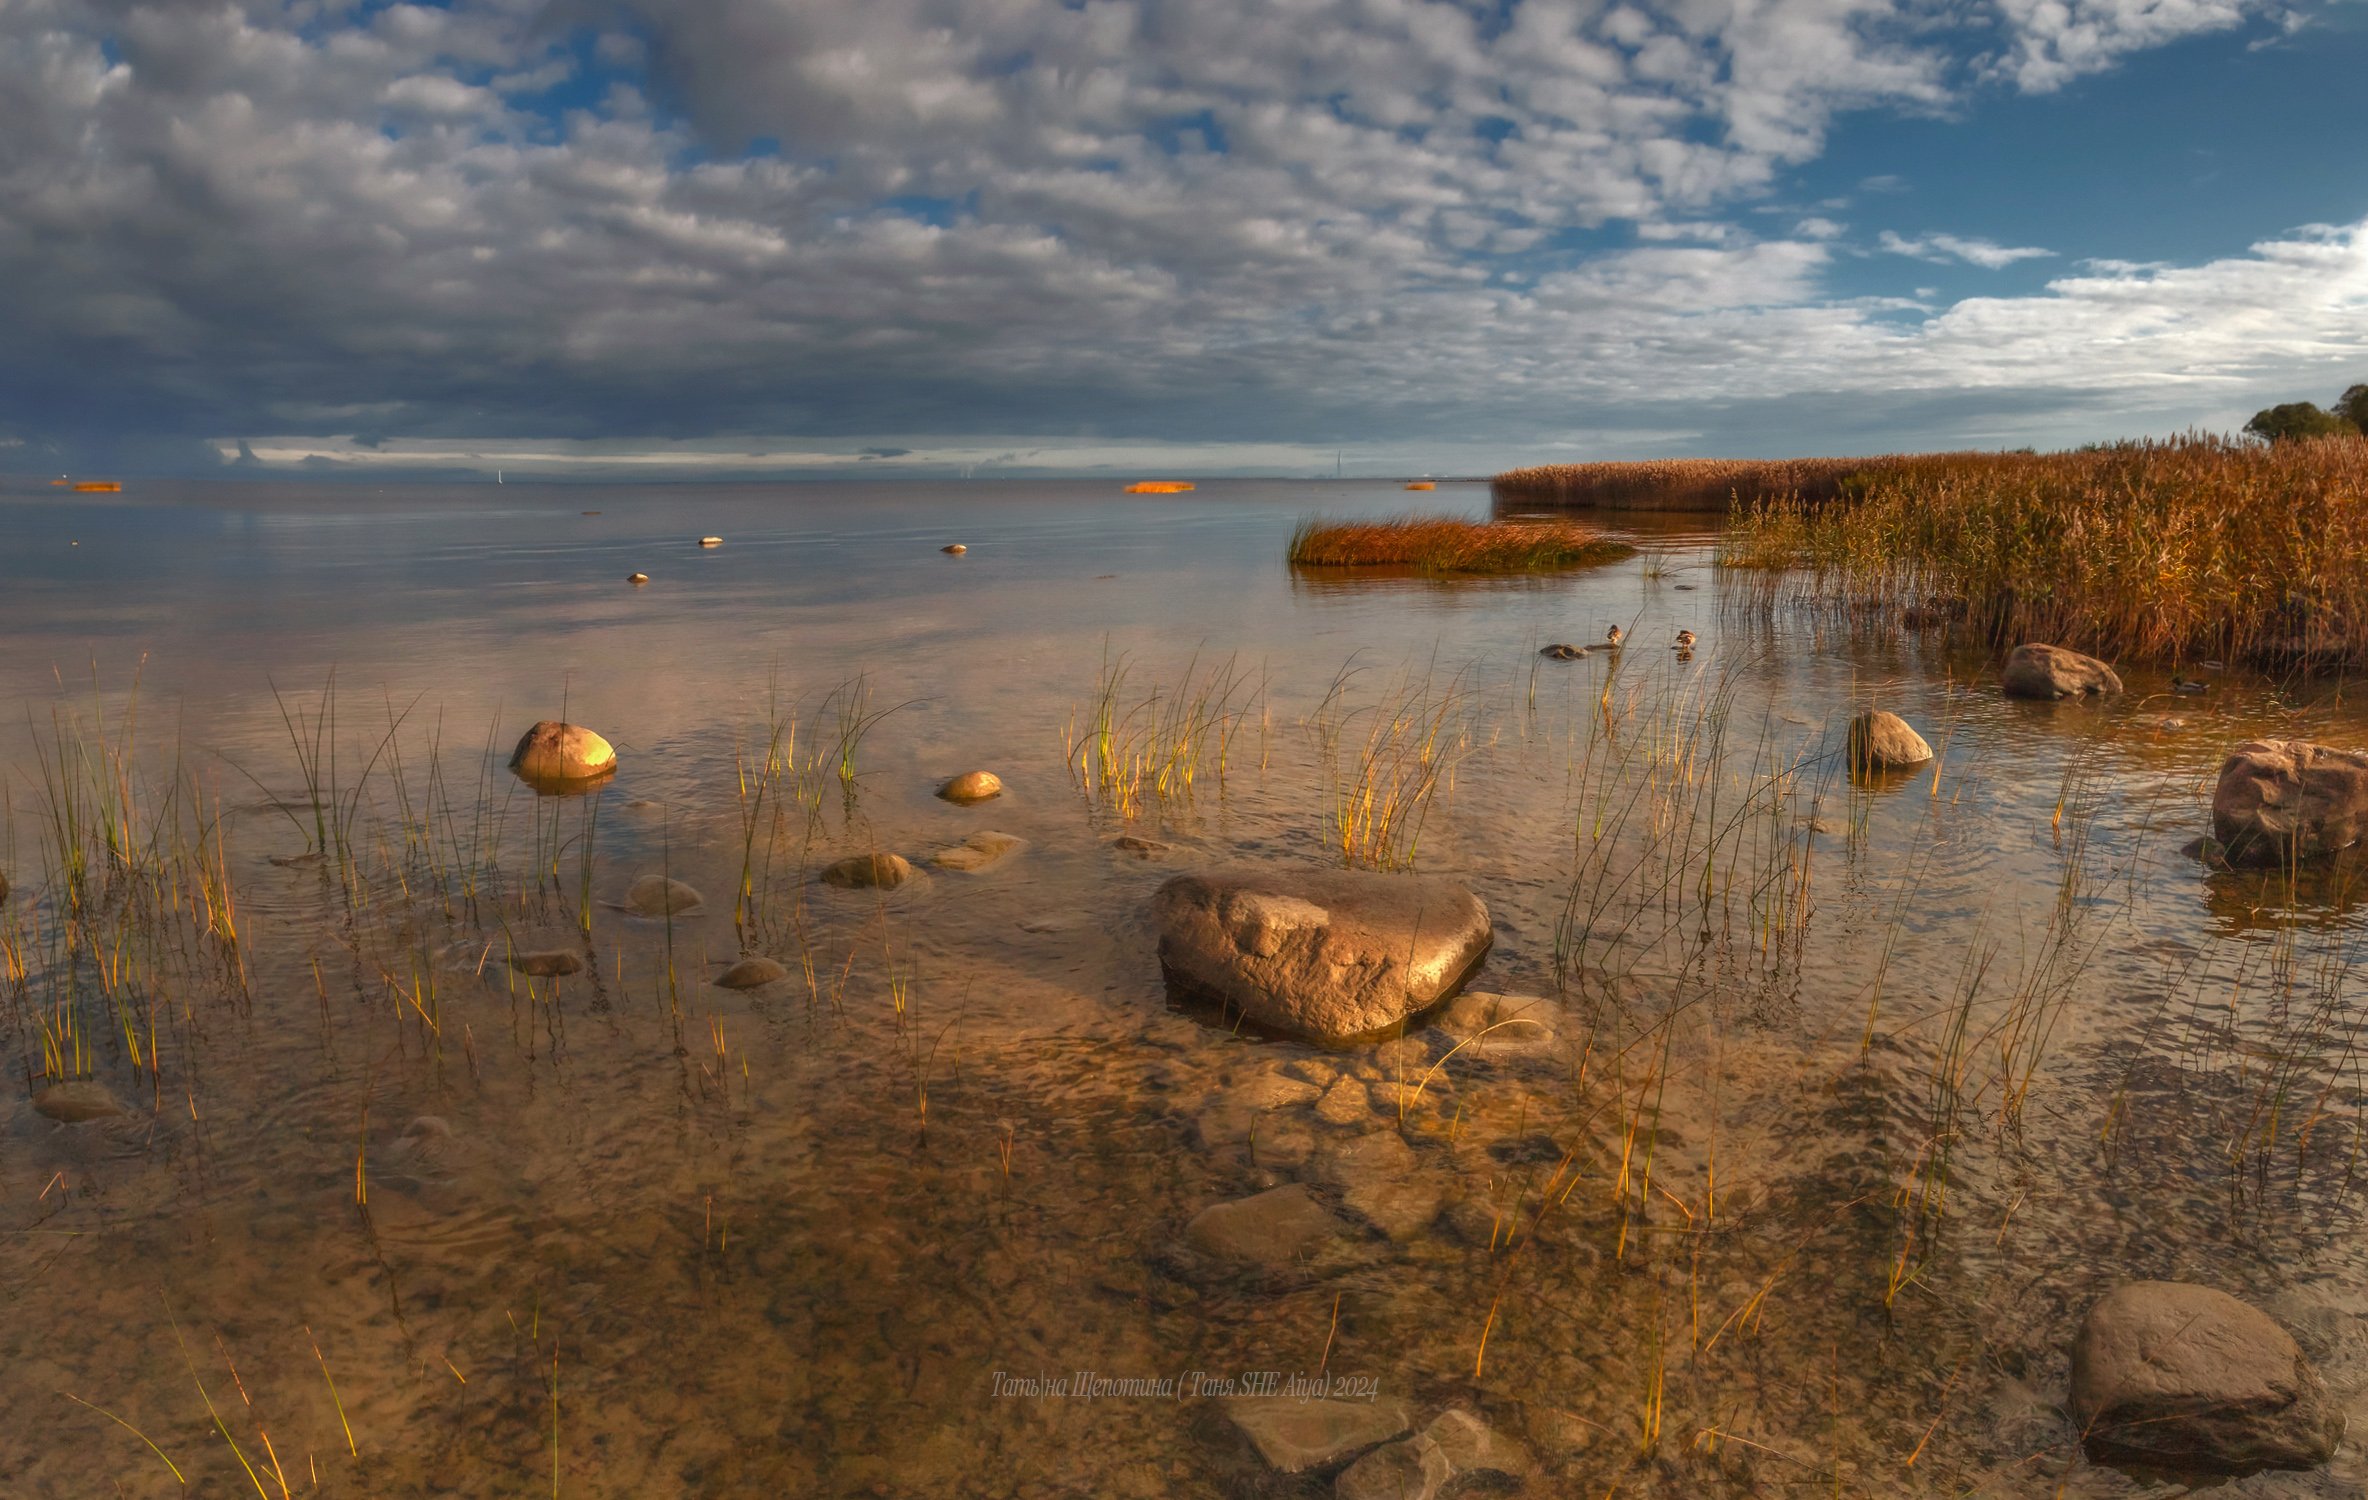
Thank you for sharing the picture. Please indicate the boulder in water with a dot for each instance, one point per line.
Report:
(972, 786)
(1883, 741)
(549, 963)
(658, 896)
(1326, 955)
(2038, 671)
(750, 974)
(77, 1100)
(2287, 801)
(558, 756)
(868, 872)
(2185, 1376)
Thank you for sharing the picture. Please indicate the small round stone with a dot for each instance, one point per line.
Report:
(972, 786)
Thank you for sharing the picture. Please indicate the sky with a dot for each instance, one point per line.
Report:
(759, 238)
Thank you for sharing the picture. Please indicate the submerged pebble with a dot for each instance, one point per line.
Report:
(1268, 1230)
(1294, 1434)
(78, 1100)
(658, 896)
(751, 973)
(868, 872)
(978, 852)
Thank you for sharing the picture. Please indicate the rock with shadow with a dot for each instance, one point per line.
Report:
(1328, 956)
(2183, 1376)
(2284, 802)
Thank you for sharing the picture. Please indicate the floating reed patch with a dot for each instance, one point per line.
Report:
(1159, 487)
(1704, 484)
(2189, 549)
(1448, 544)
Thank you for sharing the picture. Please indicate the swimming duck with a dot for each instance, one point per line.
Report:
(1685, 640)
(1613, 635)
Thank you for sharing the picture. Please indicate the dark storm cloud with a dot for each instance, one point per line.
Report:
(1216, 221)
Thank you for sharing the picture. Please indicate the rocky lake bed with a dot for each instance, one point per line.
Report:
(1061, 1038)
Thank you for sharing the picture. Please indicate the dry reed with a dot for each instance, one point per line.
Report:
(1447, 544)
(1705, 484)
(2198, 547)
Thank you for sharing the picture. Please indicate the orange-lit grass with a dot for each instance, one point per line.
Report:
(1710, 484)
(2193, 548)
(1159, 487)
(1447, 544)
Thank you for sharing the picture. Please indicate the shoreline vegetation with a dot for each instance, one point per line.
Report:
(1684, 484)
(2170, 551)
(1450, 544)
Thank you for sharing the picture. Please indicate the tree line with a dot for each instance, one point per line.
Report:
(2304, 419)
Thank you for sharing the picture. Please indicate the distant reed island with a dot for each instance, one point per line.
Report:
(1451, 544)
(2192, 549)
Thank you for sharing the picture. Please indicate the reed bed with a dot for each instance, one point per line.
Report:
(1697, 484)
(2193, 548)
(1449, 544)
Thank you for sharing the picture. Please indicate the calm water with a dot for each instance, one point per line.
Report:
(1859, 1094)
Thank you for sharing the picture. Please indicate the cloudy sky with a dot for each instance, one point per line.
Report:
(808, 236)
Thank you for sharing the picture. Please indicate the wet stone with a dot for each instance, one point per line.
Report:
(1268, 1230)
(1883, 741)
(978, 852)
(1380, 1180)
(77, 1100)
(1472, 1447)
(1347, 1102)
(1556, 1435)
(1135, 843)
(657, 896)
(1499, 1026)
(2042, 671)
(972, 786)
(1295, 1436)
(1325, 955)
(2186, 1376)
(751, 973)
(1229, 1118)
(557, 753)
(2281, 801)
(868, 872)
(548, 963)
(1412, 1469)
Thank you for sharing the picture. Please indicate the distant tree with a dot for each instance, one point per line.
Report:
(2298, 419)
(2352, 406)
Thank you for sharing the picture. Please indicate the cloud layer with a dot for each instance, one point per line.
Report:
(1183, 221)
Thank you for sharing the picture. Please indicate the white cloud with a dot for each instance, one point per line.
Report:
(1142, 217)
(1988, 254)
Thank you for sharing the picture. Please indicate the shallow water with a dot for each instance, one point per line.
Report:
(1859, 1094)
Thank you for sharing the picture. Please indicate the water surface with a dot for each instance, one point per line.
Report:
(1860, 1094)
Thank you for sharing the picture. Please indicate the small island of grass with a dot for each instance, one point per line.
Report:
(1449, 544)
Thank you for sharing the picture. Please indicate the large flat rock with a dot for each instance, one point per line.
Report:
(2185, 1376)
(1330, 956)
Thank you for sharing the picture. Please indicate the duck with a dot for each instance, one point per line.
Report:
(1612, 636)
(1685, 640)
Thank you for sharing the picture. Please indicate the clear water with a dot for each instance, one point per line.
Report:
(1862, 1092)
